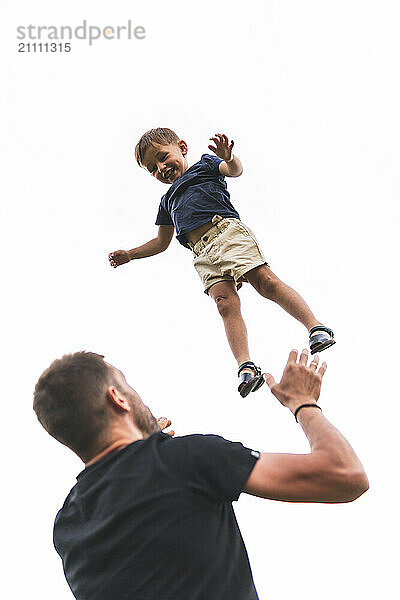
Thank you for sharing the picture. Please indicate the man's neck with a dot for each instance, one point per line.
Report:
(116, 445)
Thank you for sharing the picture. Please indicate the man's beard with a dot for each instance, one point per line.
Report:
(142, 417)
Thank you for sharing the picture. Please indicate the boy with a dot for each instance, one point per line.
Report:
(226, 253)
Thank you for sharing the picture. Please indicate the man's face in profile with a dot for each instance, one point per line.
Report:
(141, 414)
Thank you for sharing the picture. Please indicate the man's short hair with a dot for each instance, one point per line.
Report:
(160, 135)
(70, 401)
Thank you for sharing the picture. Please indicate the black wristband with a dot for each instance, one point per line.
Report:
(304, 406)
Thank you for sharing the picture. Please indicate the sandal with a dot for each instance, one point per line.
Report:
(321, 341)
(250, 382)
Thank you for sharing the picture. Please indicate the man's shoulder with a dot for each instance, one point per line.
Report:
(196, 450)
(194, 447)
(197, 443)
(198, 439)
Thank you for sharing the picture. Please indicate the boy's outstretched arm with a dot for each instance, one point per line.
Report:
(155, 246)
(230, 165)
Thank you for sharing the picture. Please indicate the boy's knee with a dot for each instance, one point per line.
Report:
(227, 304)
(269, 285)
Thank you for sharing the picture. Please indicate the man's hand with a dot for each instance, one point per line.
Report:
(163, 423)
(299, 384)
(118, 257)
(222, 147)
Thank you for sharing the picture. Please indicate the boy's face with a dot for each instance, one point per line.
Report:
(166, 162)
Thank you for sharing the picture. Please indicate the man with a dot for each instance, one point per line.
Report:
(151, 516)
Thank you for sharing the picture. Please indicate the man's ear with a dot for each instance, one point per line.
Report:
(183, 147)
(117, 399)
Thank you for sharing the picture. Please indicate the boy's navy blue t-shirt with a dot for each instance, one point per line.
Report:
(154, 521)
(194, 198)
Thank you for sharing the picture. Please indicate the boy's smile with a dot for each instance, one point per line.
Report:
(166, 162)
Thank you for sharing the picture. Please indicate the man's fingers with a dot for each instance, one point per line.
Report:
(292, 357)
(269, 380)
(303, 357)
(163, 422)
(314, 363)
(322, 369)
(113, 261)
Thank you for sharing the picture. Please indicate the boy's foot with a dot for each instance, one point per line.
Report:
(251, 378)
(321, 338)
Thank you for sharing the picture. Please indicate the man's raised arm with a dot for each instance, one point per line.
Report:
(331, 472)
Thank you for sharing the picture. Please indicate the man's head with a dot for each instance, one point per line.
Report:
(85, 403)
(162, 153)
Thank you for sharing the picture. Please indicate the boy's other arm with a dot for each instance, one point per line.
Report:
(232, 168)
(230, 165)
(154, 246)
(331, 472)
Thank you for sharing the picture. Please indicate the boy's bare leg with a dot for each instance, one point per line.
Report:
(270, 286)
(228, 302)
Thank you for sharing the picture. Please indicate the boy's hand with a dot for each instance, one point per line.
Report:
(299, 384)
(118, 257)
(222, 147)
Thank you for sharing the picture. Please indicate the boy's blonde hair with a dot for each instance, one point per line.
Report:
(160, 135)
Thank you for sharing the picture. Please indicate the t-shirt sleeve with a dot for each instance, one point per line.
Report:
(163, 217)
(212, 163)
(214, 465)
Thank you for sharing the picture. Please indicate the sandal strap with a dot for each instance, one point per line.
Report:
(249, 365)
(317, 339)
(246, 377)
(321, 328)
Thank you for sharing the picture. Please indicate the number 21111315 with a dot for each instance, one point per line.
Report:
(44, 47)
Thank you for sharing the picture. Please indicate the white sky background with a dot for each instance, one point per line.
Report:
(310, 93)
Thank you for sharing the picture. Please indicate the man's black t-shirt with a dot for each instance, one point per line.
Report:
(154, 521)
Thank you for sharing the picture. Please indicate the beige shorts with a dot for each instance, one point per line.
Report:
(226, 252)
